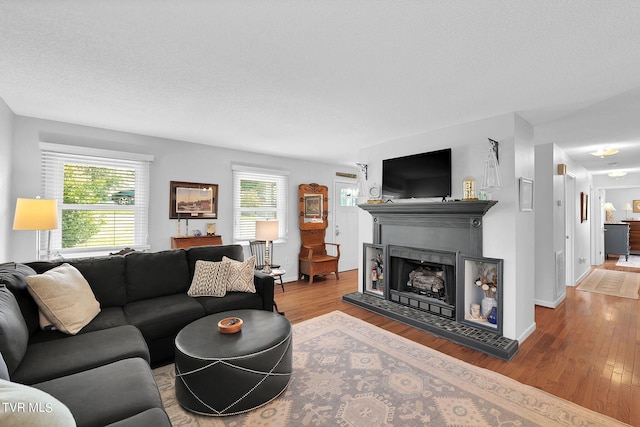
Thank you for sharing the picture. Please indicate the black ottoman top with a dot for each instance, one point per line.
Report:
(261, 330)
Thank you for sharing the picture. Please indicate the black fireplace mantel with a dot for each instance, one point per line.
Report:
(468, 208)
(450, 226)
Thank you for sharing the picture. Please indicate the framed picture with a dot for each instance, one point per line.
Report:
(313, 208)
(636, 206)
(584, 206)
(526, 194)
(192, 200)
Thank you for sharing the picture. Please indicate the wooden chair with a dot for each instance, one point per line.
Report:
(258, 249)
(314, 259)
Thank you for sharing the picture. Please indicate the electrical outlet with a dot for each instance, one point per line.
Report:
(286, 261)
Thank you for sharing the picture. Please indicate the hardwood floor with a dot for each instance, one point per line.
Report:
(586, 351)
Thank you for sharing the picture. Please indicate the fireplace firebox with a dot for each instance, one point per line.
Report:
(423, 279)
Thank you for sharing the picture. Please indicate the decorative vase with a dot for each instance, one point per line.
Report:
(493, 316)
(487, 304)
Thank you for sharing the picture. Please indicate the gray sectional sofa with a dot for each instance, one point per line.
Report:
(103, 373)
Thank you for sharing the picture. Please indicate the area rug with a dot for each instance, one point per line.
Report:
(347, 372)
(633, 261)
(610, 282)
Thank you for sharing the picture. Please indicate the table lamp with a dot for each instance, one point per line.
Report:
(627, 207)
(267, 231)
(37, 214)
(608, 208)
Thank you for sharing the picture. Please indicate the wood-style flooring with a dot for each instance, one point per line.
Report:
(587, 350)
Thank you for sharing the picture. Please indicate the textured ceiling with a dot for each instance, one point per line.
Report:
(321, 79)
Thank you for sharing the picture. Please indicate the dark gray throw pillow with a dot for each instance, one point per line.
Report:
(14, 334)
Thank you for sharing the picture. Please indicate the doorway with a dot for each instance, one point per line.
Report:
(345, 228)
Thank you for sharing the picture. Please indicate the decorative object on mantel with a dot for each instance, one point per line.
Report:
(526, 194)
(492, 179)
(608, 209)
(469, 188)
(375, 195)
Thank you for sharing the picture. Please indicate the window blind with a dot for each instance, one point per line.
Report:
(103, 201)
(258, 194)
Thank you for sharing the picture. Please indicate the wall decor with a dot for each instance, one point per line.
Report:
(192, 200)
(636, 206)
(584, 206)
(526, 194)
(313, 208)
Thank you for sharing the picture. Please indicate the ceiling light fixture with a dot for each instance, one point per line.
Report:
(617, 174)
(603, 152)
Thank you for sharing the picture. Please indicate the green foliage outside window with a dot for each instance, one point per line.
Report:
(89, 185)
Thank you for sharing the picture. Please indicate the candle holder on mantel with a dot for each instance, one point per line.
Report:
(469, 188)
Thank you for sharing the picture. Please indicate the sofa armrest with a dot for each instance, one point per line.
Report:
(264, 287)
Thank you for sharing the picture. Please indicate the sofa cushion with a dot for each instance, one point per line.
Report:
(107, 318)
(163, 316)
(209, 279)
(240, 278)
(75, 353)
(156, 274)
(64, 297)
(106, 394)
(14, 276)
(28, 406)
(231, 301)
(212, 253)
(14, 335)
(106, 278)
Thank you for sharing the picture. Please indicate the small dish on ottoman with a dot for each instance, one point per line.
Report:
(230, 325)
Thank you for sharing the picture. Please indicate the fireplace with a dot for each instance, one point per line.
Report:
(421, 269)
(423, 278)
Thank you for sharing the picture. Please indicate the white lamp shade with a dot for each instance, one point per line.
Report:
(627, 207)
(267, 230)
(36, 214)
(608, 207)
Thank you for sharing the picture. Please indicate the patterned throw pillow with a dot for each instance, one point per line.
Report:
(209, 279)
(240, 277)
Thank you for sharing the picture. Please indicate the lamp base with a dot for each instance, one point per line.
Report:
(267, 269)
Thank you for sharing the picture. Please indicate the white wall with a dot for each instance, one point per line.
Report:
(174, 161)
(7, 202)
(550, 221)
(507, 231)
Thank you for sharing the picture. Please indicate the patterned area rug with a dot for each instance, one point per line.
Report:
(347, 372)
(634, 261)
(610, 282)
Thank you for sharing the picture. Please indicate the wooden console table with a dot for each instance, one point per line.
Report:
(189, 241)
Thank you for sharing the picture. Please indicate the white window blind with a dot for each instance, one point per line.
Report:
(103, 199)
(258, 194)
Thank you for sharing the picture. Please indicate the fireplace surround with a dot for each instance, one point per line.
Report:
(422, 243)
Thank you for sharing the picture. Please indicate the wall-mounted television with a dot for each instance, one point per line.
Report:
(417, 176)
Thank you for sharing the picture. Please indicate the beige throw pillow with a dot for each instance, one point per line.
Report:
(64, 297)
(240, 277)
(209, 279)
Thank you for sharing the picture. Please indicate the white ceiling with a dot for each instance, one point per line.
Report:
(321, 79)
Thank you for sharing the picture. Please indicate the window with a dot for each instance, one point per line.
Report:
(348, 197)
(103, 198)
(258, 194)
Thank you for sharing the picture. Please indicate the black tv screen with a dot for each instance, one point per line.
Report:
(418, 175)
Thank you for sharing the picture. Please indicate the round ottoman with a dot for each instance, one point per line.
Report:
(225, 374)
